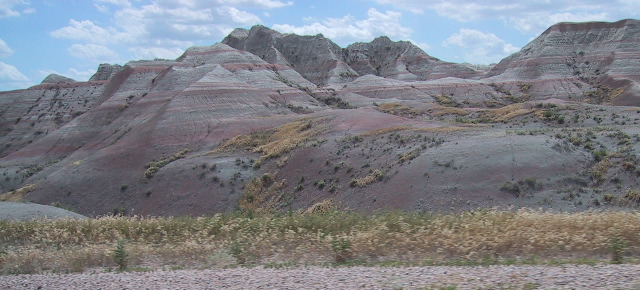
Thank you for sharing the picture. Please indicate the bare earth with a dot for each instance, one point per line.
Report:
(465, 277)
(21, 211)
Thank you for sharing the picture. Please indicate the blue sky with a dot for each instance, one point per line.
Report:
(72, 37)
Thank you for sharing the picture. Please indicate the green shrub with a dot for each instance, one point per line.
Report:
(342, 250)
(618, 246)
(608, 197)
(120, 255)
(599, 155)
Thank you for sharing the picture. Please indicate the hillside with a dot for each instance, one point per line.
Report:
(265, 121)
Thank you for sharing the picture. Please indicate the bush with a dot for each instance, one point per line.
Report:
(120, 255)
(342, 250)
(599, 155)
(522, 187)
(608, 197)
(618, 247)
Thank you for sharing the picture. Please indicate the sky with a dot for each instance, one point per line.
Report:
(72, 37)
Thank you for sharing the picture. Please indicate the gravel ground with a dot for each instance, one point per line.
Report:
(465, 277)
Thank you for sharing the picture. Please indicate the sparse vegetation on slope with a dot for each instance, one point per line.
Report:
(399, 109)
(153, 167)
(273, 143)
(18, 194)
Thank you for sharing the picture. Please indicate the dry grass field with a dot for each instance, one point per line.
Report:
(319, 238)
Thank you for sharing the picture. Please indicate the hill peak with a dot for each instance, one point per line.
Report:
(57, 79)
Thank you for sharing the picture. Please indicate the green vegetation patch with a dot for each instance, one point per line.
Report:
(153, 167)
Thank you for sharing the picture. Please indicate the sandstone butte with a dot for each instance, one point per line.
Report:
(265, 121)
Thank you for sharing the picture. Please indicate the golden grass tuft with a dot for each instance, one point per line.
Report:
(447, 129)
(262, 194)
(442, 111)
(276, 142)
(282, 161)
(508, 112)
(399, 109)
(375, 176)
(599, 171)
(286, 138)
(616, 93)
(446, 101)
(18, 194)
(384, 130)
(153, 167)
(325, 206)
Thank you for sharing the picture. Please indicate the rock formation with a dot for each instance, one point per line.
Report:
(316, 58)
(266, 121)
(105, 72)
(57, 79)
(595, 62)
(401, 60)
(323, 62)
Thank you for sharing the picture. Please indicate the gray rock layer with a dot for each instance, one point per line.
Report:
(18, 211)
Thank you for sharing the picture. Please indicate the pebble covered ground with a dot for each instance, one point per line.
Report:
(464, 277)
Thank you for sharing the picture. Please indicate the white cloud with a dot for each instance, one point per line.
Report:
(81, 75)
(11, 78)
(102, 8)
(29, 10)
(535, 24)
(528, 16)
(349, 29)
(160, 28)
(422, 45)
(8, 8)
(5, 50)
(86, 30)
(156, 52)
(121, 3)
(269, 4)
(413, 6)
(480, 47)
(239, 16)
(45, 72)
(11, 73)
(75, 74)
(93, 52)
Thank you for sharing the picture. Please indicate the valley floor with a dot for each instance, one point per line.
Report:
(435, 277)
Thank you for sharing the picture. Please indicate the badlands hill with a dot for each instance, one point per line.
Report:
(265, 121)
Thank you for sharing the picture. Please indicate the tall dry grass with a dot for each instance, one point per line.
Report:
(508, 112)
(18, 194)
(315, 238)
(399, 109)
(275, 142)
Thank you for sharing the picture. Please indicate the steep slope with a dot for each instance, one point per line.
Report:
(400, 60)
(105, 72)
(150, 110)
(323, 62)
(316, 58)
(28, 115)
(595, 62)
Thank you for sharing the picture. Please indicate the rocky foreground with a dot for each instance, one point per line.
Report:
(465, 277)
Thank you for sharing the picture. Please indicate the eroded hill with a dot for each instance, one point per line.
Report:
(267, 121)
